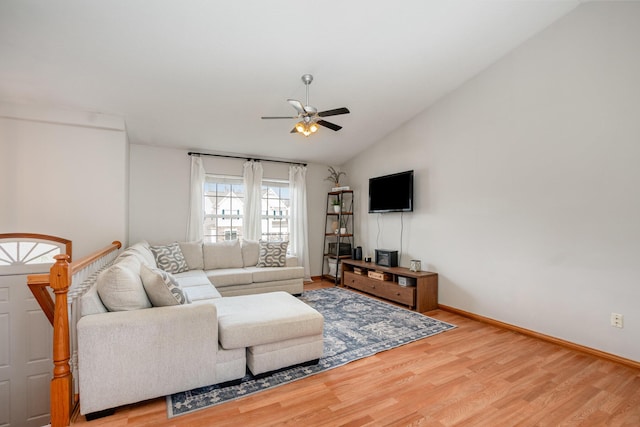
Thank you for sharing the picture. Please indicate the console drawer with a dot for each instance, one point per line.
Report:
(397, 293)
(387, 290)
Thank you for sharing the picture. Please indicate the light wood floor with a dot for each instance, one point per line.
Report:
(475, 375)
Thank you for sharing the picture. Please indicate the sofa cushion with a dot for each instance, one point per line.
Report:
(161, 287)
(250, 252)
(120, 287)
(272, 254)
(196, 285)
(192, 252)
(170, 258)
(272, 274)
(192, 278)
(229, 277)
(140, 250)
(202, 293)
(226, 254)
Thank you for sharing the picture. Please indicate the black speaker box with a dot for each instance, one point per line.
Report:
(386, 258)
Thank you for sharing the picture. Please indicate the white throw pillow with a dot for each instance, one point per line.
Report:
(272, 254)
(226, 254)
(192, 252)
(250, 252)
(170, 258)
(140, 250)
(162, 288)
(120, 287)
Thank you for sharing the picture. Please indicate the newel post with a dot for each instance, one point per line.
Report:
(61, 383)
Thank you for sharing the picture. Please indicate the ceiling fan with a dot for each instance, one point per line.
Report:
(309, 116)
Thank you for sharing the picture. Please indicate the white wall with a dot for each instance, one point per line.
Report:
(526, 184)
(63, 173)
(159, 195)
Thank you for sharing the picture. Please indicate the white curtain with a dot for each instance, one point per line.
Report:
(195, 224)
(298, 225)
(252, 200)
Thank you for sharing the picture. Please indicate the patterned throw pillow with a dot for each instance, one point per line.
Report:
(170, 258)
(272, 254)
(162, 288)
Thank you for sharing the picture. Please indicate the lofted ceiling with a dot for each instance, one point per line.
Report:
(200, 74)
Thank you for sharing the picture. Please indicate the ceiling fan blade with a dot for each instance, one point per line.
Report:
(297, 105)
(329, 125)
(294, 130)
(334, 112)
(279, 117)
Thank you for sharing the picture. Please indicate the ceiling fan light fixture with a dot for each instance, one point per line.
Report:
(308, 115)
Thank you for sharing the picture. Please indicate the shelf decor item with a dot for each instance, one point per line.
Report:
(334, 176)
(415, 265)
(380, 275)
(335, 202)
(341, 249)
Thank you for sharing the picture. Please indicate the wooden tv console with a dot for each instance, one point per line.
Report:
(421, 297)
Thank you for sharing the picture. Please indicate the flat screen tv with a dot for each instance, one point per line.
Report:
(391, 193)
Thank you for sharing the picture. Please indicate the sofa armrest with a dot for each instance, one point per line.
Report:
(129, 356)
(292, 261)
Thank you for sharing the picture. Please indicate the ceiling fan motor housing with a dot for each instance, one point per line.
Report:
(307, 79)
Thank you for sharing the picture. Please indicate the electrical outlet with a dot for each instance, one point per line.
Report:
(616, 320)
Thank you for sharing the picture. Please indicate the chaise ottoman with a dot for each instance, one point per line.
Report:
(277, 329)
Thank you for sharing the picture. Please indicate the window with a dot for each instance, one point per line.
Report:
(224, 208)
(275, 210)
(27, 253)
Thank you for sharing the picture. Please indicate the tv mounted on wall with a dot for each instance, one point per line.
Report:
(391, 193)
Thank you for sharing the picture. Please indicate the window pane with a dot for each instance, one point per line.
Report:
(26, 253)
(224, 203)
(275, 210)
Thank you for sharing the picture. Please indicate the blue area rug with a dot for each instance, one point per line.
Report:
(355, 327)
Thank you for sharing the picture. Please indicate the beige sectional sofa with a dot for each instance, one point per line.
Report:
(170, 318)
(231, 267)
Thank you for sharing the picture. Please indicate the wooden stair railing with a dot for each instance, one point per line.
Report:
(61, 383)
(59, 278)
(38, 286)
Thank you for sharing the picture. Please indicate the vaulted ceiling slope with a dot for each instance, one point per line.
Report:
(200, 74)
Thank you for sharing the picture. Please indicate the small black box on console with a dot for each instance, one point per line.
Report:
(386, 258)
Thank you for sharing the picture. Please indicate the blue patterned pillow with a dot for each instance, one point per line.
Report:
(170, 258)
(272, 254)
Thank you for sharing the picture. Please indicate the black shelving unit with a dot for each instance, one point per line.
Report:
(341, 220)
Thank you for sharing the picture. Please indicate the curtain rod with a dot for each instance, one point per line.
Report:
(193, 153)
